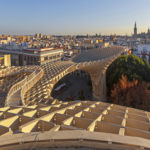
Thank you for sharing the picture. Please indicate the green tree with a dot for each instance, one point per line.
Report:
(131, 66)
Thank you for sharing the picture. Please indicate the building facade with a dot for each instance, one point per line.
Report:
(5, 60)
(31, 56)
(41, 56)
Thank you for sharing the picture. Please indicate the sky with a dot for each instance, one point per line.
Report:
(73, 17)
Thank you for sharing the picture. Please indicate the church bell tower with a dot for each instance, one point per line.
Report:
(135, 30)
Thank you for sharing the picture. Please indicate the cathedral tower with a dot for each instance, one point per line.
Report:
(135, 30)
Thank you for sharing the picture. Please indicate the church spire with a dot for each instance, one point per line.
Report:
(135, 25)
(135, 30)
(148, 31)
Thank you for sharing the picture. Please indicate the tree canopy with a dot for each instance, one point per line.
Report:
(131, 66)
(130, 94)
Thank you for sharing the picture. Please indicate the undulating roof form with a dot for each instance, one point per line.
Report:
(40, 92)
(37, 87)
(43, 122)
(78, 120)
(96, 54)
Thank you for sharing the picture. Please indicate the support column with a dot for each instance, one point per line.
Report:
(99, 86)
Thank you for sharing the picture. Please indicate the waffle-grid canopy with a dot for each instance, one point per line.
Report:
(78, 120)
